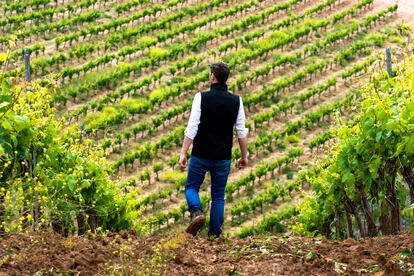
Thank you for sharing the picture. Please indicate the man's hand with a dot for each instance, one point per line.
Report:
(242, 163)
(182, 163)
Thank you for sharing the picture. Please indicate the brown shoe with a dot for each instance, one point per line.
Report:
(197, 221)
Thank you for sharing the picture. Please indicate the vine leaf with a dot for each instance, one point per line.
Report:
(71, 183)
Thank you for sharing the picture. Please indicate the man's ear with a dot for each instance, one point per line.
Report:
(212, 77)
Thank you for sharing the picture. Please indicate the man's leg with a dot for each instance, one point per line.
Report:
(196, 173)
(195, 177)
(219, 175)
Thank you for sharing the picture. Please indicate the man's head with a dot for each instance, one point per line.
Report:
(219, 72)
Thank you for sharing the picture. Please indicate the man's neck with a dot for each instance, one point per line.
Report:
(218, 86)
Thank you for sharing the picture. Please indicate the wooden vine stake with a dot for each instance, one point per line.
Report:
(388, 61)
(26, 56)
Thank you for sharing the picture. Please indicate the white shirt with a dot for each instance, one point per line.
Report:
(194, 120)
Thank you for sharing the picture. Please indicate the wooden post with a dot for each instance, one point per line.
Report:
(27, 63)
(388, 61)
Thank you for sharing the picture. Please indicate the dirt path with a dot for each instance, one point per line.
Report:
(45, 253)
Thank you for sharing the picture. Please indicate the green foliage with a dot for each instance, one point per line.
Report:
(48, 177)
(372, 170)
(409, 213)
(321, 138)
(145, 175)
(270, 223)
(292, 139)
(172, 176)
(157, 167)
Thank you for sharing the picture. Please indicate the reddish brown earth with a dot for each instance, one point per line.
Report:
(47, 253)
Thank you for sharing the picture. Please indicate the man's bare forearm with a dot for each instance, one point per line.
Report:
(183, 156)
(243, 146)
(186, 145)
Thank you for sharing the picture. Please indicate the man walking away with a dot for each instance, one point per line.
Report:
(214, 114)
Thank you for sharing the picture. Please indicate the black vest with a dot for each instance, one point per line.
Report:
(219, 109)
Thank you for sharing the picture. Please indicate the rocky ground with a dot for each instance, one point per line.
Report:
(47, 253)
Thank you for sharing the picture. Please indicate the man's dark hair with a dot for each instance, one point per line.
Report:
(220, 70)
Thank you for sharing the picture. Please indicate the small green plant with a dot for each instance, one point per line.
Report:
(172, 176)
(157, 167)
(281, 145)
(292, 139)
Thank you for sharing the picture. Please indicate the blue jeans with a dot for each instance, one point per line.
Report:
(219, 171)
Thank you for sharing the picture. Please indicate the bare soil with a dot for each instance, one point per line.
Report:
(126, 253)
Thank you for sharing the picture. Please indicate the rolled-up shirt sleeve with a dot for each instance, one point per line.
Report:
(240, 122)
(194, 121)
